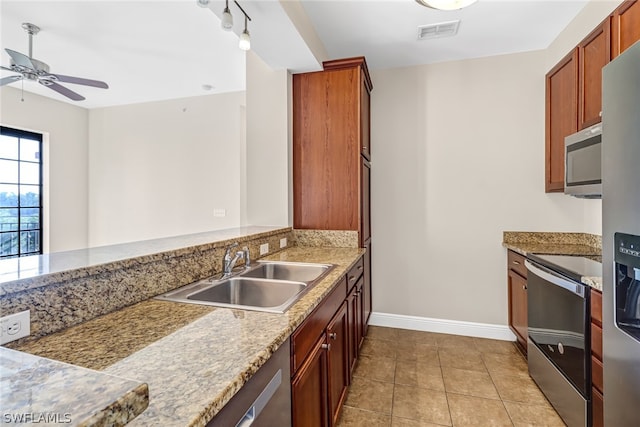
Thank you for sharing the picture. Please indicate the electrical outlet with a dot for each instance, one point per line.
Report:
(15, 326)
(283, 242)
(264, 248)
(219, 212)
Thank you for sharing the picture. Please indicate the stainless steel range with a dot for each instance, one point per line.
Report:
(559, 344)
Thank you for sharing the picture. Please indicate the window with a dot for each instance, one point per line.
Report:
(20, 193)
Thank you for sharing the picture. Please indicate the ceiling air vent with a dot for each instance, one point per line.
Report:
(442, 29)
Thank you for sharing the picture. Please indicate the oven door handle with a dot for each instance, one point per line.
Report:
(551, 277)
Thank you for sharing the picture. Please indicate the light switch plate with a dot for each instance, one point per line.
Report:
(15, 326)
(264, 248)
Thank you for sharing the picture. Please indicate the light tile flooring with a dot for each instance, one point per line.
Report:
(421, 379)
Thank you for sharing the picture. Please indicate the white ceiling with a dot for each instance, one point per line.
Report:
(152, 50)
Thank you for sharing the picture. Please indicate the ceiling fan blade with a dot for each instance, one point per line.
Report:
(63, 91)
(10, 79)
(81, 81)
(21, 59)
(6, 68)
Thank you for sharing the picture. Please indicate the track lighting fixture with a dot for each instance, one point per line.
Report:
(245, 38)
(445, 4)
(227, 19)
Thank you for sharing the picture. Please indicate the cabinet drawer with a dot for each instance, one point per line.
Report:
(516, 263)
(596, 341)
(354, 274)
(597, 407)
(307, 334)
(596, 307)
(596, 374)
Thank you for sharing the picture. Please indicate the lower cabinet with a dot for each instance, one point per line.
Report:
(337, 345)
(517, 295)
(309, 403)
(596, 359)
(324, 352)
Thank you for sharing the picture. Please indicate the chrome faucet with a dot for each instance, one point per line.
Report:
(229, 262)
(247, 257)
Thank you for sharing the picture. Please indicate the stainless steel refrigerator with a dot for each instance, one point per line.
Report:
(621, 238)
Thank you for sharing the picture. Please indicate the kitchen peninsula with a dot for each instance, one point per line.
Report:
(193, 358)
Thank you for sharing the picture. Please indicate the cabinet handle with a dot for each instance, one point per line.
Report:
(326, 347)
(352, 278)
(333, 335)
(524, 287)
(516, 262)
(360, 267)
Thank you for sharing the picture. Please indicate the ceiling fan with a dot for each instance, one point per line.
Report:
(31, 69)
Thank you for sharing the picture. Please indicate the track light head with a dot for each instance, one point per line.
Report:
(227, 19)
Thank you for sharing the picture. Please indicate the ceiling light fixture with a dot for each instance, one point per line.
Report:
(446, 4)
(203, 3)
(227, 20)
(245, 38)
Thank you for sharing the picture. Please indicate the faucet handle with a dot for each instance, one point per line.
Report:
(227, 252)
(247, 257)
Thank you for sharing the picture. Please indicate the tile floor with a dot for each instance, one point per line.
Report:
(422, 379)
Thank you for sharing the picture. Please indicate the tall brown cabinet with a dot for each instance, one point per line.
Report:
(332, 175)
(332, 153)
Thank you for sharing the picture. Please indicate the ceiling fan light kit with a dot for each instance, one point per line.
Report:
(446, 4)
(29, 68)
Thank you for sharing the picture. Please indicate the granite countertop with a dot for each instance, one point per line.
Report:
(35, 390)
(194, 358)
(545, 243)
(18, 274)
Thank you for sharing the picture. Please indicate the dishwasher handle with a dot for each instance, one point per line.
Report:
(555, 279)
(261, 401)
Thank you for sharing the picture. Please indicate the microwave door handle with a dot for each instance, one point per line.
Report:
(555, 279)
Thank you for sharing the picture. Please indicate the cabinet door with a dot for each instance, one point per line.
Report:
(365, 203)
(597, 408)
(518, 307)
(338, 360)
(359, 303)
(326, 150)
(309, 397)
(365, 118)
(625, 26)
(561, 117)
(594, 52)
(366, 289)
(352, 313)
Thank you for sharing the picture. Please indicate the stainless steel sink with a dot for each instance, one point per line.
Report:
(296, 271)
(269, 286)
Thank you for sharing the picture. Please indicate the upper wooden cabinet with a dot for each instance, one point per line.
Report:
(330, 138)
(625, 26)
(594, 52)
(561, 117)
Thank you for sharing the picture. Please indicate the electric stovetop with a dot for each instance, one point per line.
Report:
(572, 266)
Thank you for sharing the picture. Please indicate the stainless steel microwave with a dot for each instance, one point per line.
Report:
(583, 163)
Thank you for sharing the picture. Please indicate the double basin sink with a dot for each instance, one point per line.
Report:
(271, 286)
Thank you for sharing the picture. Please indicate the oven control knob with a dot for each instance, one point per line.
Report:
(560, 348)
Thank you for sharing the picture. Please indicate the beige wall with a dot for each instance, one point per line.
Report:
(65, 158)
(268, 146)
(458, 158)
(160, 169)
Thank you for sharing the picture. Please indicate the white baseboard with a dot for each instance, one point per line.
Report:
(444, 326)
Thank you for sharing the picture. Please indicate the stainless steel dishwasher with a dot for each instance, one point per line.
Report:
(264, 401)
